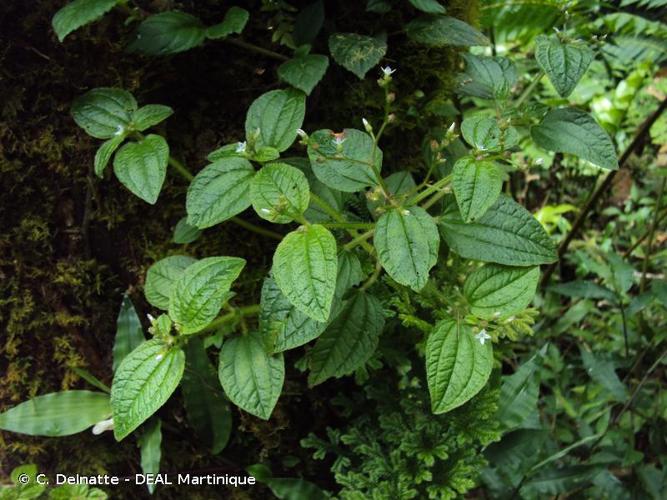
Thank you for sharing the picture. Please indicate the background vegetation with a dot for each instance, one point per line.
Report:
(588, 407)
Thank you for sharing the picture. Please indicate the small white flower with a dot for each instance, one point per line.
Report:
(407, 212)
(159, 357)
(451, 128)
(240, 147)
(388, 71)
(150, 318)
(120, 130)
(265, 210)
(482, 336)
(339, 140)
(301, 133)
(104, 425)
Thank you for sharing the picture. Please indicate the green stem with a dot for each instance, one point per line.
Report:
(431, 189)
(255, 48)
(187, 175)
(359, 240)
(529, 90)
(373, 277)
(649, 246)
(238, 313)
(348, 225)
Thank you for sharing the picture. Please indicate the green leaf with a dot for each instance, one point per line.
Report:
(484, 133)
(286, 488)
(564, 63)
(168, 33)
(349, 273)
(603, 372)
(104, 153)
(79, 13)
(143, 383)
(149, 115)
(305, 267)
(519, 394)
(441, 31)
(202, 289)
(104, 113)
(150, 443)
(584, 289)
(57, 414)
(129, 333)
(407, 243)
(161, 277)
(572, 131)
(205, 404)
(357, 53)
(346, 167)
(251, 378)
(349, 341)
(277, 115)
(304, 72)
(495, 291)
(142, 166)
(184, 233)
(487, 77)
(282, 324)
(308, 23)
(264, 154)
(476, 185)
(457, 365)
(219, 192)
(506, 234)
(280, 193)
(234, 22)
(428, 6)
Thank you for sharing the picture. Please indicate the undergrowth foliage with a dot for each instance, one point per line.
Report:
(365, 250)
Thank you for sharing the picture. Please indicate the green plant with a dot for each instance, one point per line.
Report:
(439, 247)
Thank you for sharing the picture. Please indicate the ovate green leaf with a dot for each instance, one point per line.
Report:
(143, 383)
(440, 31)
(506, 234)
(485, 134)
(305, 267)
(281, 323)
(184, 233)
(487, 77)
(57, 414)
(477, 185)
(349, 341)
(219, 192)
(457, 365)
(280, 193)
(346, 167)
(572, 131)
(79, 13)
(129, 333)
(357, 53)
(142, 166)
(150, 448)
(104, 113)
(205, 404)
(161, 277)
(202, 289)
(304, 72)
(168, 33)
(105, 152)
(428, 6)
(251, 378)
(277, 115)
(495, 291)
(149, 115)
(564, 63)
(407, 243)
(235, 20)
